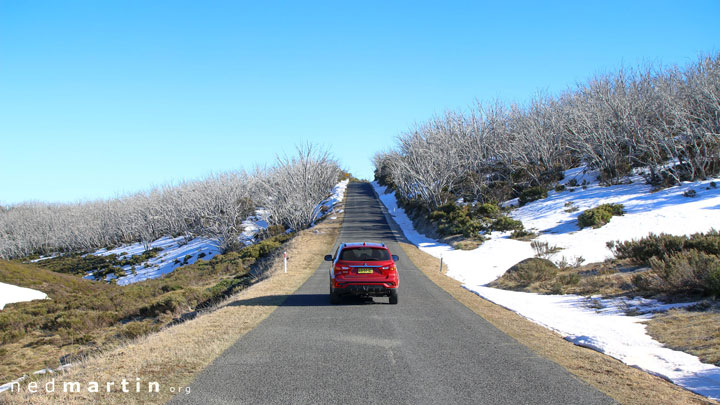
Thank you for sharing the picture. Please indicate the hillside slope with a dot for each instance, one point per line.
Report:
(589, 321)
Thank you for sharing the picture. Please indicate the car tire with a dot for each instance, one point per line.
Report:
(393, 296)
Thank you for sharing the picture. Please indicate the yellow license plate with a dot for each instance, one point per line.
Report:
(365, 271)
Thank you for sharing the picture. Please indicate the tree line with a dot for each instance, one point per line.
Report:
(663, 120)
(213, 207)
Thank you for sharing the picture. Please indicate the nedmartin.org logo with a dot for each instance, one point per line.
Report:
(124, 386)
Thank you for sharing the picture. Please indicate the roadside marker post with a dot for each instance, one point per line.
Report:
(441, 262)
(285, 260)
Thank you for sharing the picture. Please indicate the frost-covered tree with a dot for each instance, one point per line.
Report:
(214, 207)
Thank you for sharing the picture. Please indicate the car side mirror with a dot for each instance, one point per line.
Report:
(395, 258)
(328, 258)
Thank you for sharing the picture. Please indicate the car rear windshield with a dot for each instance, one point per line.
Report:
(365, 254)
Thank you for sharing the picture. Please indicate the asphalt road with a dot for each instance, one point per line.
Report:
(427, 349)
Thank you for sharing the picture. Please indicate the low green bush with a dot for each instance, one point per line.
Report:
(689, 271)
(141, 258)
(523, 234)
(274, 230)
(264, 247)
(135, 329)
(469, 221)
(171, 302)
(653, 245)
(569, 279)
(223, 289)
(600, 215)
(532, 194)
(485, 210)
(79, 264)
(505, 223)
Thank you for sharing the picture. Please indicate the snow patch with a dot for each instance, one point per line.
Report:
(602, 325)
(11, 293)
(336, 197)
(173, 255)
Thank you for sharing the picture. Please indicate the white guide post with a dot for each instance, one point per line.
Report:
(285, 260)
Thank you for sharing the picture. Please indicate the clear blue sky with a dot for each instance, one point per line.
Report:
(99, 98)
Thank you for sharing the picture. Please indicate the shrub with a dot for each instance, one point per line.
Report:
(708, 242)
(687, 271)
(650, 246)
(642, 250)
(471, 229)
(451, 219)
(137, 259)
(448, 208)
(136, 329)
(486, 210)
(523, 234)
(171, 302)
(531, 271)
(569, 279)
(505, 223)
(600, 215)
(543, 249)
(560, 188)
(690, 193)
(570, 207)
(264, 247)
(81, 265)
(274, 230)
(224, 288)
(532, 194)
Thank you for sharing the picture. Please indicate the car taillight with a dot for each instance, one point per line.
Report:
(340, 269)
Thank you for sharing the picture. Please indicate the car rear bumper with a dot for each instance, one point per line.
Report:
(373, 289)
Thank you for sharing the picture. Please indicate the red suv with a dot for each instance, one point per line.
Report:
(363, 269)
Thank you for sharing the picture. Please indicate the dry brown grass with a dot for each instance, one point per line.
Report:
(176, 354)
(694, 332)
(625, 384)
(467, 244)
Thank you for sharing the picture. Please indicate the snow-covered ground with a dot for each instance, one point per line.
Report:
(11, 293)
(600, 324)
(173, 255)
(336, 197)
(177, 252)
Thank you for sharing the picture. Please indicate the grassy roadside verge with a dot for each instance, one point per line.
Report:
(623, 383)
(174, 355)
(82, 316)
